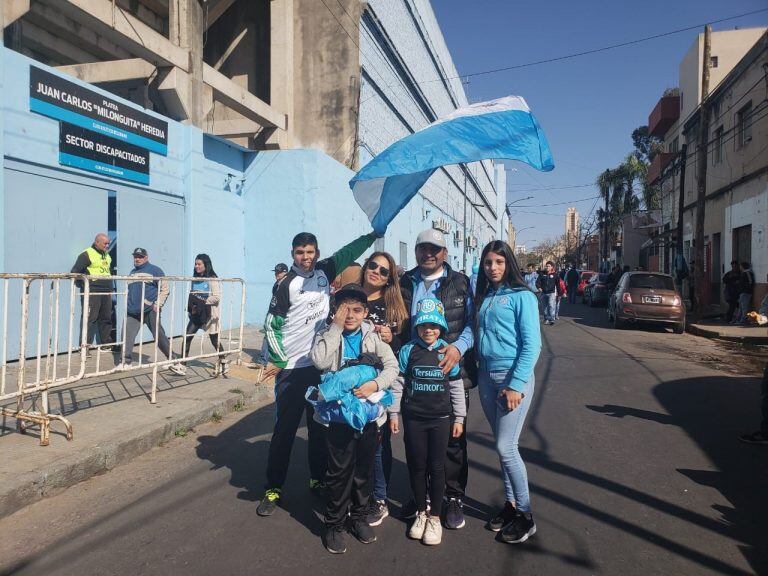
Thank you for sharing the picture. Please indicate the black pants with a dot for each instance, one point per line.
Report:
(192, 328)
(290, 387)
(100, 317)
(425, 445)
(456, 461)
(732, 305)
(764, 402)
(350, 461)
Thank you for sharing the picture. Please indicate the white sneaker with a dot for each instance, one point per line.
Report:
(433, 533)
(178, 369)
(419, 525)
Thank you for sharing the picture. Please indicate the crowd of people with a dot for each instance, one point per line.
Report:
(380, 352)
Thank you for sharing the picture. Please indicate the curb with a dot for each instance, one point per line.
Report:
(101, 458)
(714, 334)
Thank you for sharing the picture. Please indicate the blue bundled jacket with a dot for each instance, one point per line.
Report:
(509, 334)
(337, 403)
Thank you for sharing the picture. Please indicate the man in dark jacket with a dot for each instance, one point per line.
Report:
(731, 289)
(572, 282)
(746, 289)
(547, 283)
(96, 263)
(433, 277)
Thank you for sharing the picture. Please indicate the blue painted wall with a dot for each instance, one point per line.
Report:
(239, 206)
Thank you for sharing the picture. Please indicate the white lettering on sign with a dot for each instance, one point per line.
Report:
(79, 142)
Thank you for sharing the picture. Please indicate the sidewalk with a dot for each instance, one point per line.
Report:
(757, 335)
(113, 422)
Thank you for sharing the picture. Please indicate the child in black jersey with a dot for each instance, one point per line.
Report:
(427, 398)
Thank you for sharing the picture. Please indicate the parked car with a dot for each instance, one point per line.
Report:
(583, 279)
(647, 297)
(596, 290)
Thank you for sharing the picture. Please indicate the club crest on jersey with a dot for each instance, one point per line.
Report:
(322, 281)
(429, 305)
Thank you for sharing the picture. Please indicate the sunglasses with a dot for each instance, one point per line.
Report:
(372, 266)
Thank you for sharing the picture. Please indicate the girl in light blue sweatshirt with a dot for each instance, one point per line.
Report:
(507, 346)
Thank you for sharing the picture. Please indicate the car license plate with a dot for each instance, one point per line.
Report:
(651, 299)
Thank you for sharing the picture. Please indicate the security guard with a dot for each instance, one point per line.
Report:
(97, 264)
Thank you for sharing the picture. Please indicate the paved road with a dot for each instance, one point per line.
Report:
(633, 461)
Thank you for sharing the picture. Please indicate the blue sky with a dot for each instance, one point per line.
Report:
(588, 106)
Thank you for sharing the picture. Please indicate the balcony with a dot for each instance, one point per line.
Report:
(658, 165)
(664, 115)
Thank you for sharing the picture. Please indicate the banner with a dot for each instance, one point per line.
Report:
(93, 152)
(55, 97)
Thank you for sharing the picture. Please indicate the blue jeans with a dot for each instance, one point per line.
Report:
(549, 302)
(572, 290)
(506, 427)
(382, 465)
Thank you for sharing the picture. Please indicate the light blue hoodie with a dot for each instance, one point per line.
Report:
(509, 334)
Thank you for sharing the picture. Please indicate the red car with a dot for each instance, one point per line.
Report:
(583, 279)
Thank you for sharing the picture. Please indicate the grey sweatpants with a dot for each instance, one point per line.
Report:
(132, 328)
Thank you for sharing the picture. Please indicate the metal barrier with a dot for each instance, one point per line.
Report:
(44, 324)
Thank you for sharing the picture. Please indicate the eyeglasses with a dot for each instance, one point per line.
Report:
(372, 266)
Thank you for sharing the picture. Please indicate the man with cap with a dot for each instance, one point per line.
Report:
(96, 263)
(146, 297)
(281, 271)
(434, 278)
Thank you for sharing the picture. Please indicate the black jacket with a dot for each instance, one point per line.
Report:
(453, 291)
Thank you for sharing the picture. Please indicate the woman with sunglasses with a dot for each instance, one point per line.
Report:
(203, 307)
(387, 311)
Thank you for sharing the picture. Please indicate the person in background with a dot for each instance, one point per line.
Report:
(473, 278)
(203, 307)
(561, 292)
(509, 342)
(731, 290)
(746, 289)
(547, 285)
(96, 263)
(146, 311)
(531, 277)
(572, 283)
(281, 271)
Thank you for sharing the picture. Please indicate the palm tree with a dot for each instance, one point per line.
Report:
(632, 169)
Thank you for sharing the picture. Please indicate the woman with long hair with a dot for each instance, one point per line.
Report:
(387, 311)
(507, 345)
(203, 306)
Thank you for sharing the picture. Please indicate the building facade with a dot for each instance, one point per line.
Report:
(261, 131)
(736, 185)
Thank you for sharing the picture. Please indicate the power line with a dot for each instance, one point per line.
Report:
(550, 187)
(595, 50)
(558, 203)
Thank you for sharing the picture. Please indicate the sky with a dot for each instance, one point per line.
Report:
(588, 106)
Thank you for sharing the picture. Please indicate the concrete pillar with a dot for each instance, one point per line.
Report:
(186, 31)
(281, 65)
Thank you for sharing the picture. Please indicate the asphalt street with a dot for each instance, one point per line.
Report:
(633, 460)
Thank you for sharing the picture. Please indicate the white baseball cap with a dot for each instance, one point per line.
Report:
(431, 236)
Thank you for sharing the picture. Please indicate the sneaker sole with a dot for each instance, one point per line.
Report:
(525, 537)
(426, 543)
(265, 513)
(459, 527)
(336, 551)
(364, 541)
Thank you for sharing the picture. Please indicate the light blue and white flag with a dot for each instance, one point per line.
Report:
(503, 128)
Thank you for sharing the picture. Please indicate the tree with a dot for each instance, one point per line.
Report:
(632, 169)
(646, 146)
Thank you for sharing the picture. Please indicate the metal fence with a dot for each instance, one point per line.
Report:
(48, 342)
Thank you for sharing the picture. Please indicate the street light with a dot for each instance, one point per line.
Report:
(514, 202)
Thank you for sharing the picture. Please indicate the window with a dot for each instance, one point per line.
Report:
(744, 126)
(674, 145)
(404, 255)
(713, 61)
(717, 152)
(653, 281)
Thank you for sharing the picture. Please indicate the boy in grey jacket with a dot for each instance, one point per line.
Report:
(351, 453)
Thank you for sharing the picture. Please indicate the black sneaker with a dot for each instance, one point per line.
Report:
(519, 530)
(754, 438)
(377, 513)
(334, 540)
(268, 504)
(454, 514)
(504, 517)
(362, 531)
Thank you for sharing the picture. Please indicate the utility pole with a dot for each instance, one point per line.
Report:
(679, 257)
(701, 176)
(464, 235)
